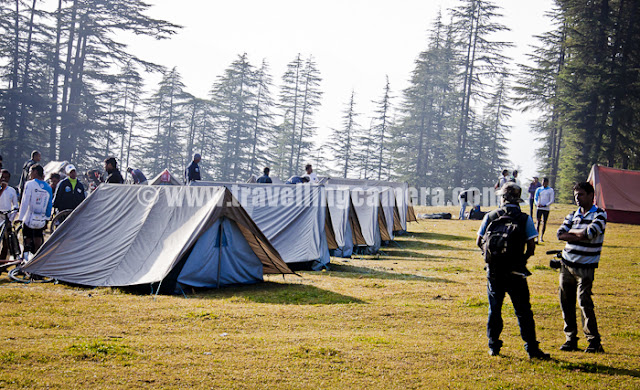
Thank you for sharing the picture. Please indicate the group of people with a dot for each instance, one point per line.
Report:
(308, 177)
(541, 195)
(507, 239)
(35, 199)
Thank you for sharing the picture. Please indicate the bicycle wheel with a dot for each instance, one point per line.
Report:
(20, 276)
(59, 218)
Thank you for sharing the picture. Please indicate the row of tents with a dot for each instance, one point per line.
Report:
(212, 234)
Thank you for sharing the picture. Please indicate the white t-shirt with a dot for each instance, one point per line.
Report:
(313, 178)
(9, 201)
(36, 205)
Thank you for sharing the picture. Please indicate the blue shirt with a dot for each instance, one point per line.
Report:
(530, 228)
(138, 176)
(264, 179)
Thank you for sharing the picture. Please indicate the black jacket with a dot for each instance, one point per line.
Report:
(192, 172)
(115, 177)
(66, 198)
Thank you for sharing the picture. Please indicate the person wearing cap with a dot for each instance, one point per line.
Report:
(192, 173)
(113, 174)
(535, 184)
(69, 192)
(137, 176)
(510, 277)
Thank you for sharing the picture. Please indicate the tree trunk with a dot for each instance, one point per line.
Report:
(53, 116)
(24, 93)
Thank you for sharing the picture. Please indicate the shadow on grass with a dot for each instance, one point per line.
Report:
(595, 368)
(419, 244)
(353, 272)
(404, 254)
(279, 294)
(437, 236)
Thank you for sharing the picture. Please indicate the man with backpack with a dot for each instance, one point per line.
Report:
(503, 236)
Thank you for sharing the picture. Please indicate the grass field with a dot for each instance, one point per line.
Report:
(412, 318)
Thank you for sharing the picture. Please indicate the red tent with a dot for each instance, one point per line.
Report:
(618, 192)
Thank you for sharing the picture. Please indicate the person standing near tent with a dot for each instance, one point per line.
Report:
(8, 202)
(192, 173)
(583, 230)
(504, 235)
(313, 178)
(265, 179)
(502, 180)
(35, 209)
(54, 180)
(70, 192)
(113, 173)
(137, 176)
(543, 198)
(26, 170)
(535, 184)
(463, 199)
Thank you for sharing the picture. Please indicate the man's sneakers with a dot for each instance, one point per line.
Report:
(537, 353)
(570, 346)
(594, 347)
(494, 351)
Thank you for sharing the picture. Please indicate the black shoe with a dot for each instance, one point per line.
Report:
(570, 346)
(538, 354)
(494, 352)
(594, 347)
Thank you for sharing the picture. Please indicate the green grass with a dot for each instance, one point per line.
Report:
(411, 318)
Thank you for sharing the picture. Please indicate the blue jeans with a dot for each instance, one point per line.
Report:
(531, 207)
(463, 207)
(518, 290)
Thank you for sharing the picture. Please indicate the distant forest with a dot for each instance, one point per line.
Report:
(72, 91)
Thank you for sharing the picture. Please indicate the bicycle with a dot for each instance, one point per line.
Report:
(20, 257)
(18, 274)
(9, 237)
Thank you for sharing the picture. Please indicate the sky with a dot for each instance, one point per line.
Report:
(355, 43)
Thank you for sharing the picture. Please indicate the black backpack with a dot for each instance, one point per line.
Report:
(504, 240)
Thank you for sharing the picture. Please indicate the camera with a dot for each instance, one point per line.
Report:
(555, 263)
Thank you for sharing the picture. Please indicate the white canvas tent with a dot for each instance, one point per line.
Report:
(126, 235)
(366, 203)
(55, 167)
(340, 219)
(291, 217)
(403, 205)
(165, 178)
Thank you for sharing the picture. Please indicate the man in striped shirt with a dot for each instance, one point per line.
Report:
(583, 231)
